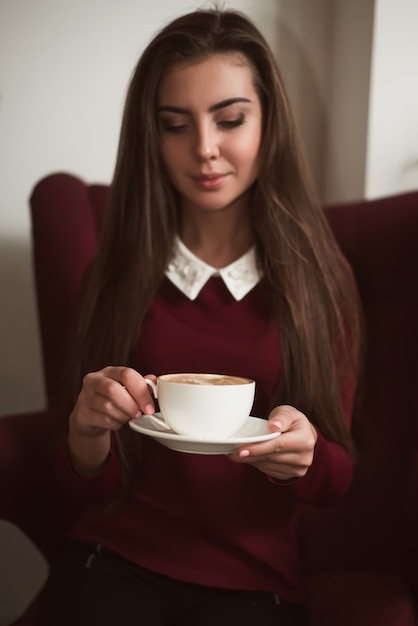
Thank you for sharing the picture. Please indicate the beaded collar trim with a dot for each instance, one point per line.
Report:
(190, 274)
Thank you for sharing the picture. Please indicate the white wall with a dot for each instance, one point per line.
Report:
(392, 138)
(371, 148)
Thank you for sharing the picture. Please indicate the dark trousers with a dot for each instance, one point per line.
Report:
(92, 586)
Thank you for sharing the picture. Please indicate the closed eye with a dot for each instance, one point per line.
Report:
(178, 128)
(229, 124)
(174, 128)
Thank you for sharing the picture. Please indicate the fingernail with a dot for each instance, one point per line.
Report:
(244, 453)
(149, 409)
(277, 424)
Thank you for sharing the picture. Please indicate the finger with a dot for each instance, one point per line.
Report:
(96, 419)
(246, 455)
(120, 407)
(95, 411)
(289, 446)
(107, 395)
(291, 460)
(296, 444)
(279, 465)
(272, 466)
(90, 420)
(134, 385)
(260, 449)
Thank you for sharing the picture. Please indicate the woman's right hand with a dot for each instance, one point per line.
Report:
(108, 399)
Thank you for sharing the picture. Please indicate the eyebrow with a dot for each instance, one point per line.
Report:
(212, 109)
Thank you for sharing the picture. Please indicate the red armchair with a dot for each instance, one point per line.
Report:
(359, 557)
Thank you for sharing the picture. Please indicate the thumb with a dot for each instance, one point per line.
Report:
(281, 418)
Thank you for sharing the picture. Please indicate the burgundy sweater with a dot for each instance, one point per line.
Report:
(198, 518)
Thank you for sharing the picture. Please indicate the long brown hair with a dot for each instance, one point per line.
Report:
(308, 280)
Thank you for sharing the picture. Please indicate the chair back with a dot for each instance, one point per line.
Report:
(66, 214)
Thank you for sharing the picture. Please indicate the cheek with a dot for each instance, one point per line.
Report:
(248, 151)
(168, 153)
(174, 153)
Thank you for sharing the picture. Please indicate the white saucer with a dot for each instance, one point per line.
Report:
(254, 430)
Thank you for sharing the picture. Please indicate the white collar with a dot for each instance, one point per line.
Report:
(190, 274)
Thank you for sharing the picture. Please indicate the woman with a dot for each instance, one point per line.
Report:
(215, 256)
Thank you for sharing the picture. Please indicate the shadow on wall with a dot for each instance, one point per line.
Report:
(21, 377)
(304, 60)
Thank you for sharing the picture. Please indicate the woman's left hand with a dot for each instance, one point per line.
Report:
(287, 456)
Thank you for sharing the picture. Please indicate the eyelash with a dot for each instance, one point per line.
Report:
(233, 123)
(226, 124)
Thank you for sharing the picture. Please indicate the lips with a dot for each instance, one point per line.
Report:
(210, 181)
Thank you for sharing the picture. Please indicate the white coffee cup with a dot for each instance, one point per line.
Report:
(204, 406)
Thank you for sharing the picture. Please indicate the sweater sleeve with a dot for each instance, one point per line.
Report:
(328, 478)
(331, 472)
(82, 490)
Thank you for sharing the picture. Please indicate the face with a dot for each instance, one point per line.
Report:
(210, 123)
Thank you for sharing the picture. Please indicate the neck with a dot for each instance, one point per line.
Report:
(216, 237)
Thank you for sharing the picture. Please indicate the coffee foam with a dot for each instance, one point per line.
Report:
(207, 379)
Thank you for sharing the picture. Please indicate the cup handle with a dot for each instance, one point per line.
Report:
(153, 386)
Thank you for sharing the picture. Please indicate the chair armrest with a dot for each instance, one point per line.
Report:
(29, 497)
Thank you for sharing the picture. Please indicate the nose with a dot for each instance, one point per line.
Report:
(207, 144)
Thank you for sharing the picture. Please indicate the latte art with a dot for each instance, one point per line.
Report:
(206, 379)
